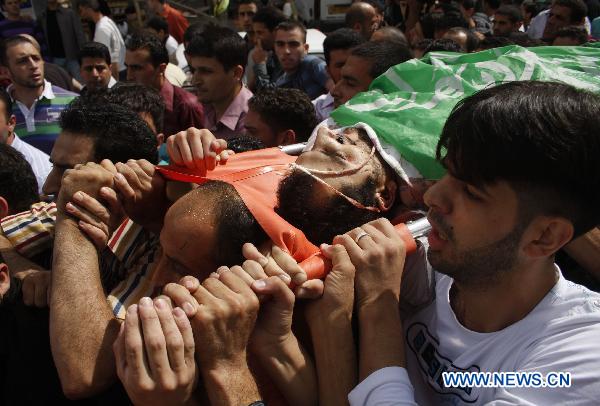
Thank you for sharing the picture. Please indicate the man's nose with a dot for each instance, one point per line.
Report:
(436, 197)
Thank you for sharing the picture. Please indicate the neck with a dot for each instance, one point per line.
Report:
(97, 17)
(27, 95)
(505, 301)
(160, 82)
(222, 105)
(10, 138)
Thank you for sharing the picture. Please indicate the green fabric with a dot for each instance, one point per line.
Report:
(409, 104)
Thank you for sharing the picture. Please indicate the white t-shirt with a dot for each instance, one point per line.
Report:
(108, 34)
(561, 334)
(171, 46)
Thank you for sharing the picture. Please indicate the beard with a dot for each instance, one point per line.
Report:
(322, 221)
(482, 266)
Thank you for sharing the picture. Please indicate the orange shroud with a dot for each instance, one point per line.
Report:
(256, 176)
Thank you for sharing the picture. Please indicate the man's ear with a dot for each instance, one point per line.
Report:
(286, 137)
(546, 235)
(306, 46)
(4, 279)
(238, 72)
(160, 139)
(12, 122)
(162, 68)
(386, 197)
(3, 207)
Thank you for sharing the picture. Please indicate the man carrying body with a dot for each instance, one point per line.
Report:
(106, 33)
(508, 19)
(300, 71)
(146, 62)
(37, 103)
(217, 59)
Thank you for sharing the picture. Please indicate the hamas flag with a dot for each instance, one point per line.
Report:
(408, 105)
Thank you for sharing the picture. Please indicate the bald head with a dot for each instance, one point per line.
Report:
(362, 17)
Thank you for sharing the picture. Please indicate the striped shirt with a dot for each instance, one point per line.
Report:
(39, 125)
(126, 267)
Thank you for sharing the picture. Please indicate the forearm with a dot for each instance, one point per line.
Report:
(381, 339)
(82, 326)
(291, 369)
(230, 385)
(334, 349)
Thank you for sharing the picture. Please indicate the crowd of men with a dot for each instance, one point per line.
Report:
(151, 232)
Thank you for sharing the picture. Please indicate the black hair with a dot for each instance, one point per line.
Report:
(540, 137)
(449, 20)
(342, 38)
(443, 44)
(18, 184)
(292, 25)
(382, 55)
(530, 6)
(93, 4)
(255, 2)
(524, 40)
(494, 42)
(493, 4)
(284, 109)
(11, 42)
(158, 23)
(223, 44)
(577, 33)
(94, 50)
(195, 29)
(7, 101)
(118, 133)
(513, 13)
(244, 143)
(578, 9)
(139, 99)
(269, 16)
(151, 43)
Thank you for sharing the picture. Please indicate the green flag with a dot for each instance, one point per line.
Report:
(408, 105)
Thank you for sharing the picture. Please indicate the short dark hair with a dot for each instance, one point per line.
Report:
(578, 9)
(513, 13)
(221, 43)
(577, 33)
(244, 143)
(197, 28)
(449, 20)
(93, 4)
(18, 184)
(530, 6)
(119, 134)
(284, 109)
(292, 25)
(158, 23)
(540, 137)
(382, 55)
(151, 43)
(255, 2)
(495, 42)
(524, 40)
(7, 101)
(139, 99)
(342, 38)
(94, 50)
(270, 17)
(494, 4)
(11, 42)
(443, 44)
(472, 40)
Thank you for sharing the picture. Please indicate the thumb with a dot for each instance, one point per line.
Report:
(275, 287)
(342, 267)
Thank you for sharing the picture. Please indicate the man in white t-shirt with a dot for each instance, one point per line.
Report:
(106, 33)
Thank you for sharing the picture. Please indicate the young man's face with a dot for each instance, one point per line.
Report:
(290, 48)
(25, 65)
(141, 70)
(337, 59)
(256, 127)
(12, 7)
(245, 14)
(266, 37)
(95, 73)
(503, 26)
(213, 83)
(475, 233)
(355, 78)
(69, 150)
(558, 18)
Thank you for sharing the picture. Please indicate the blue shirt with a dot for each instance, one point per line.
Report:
(310, 77)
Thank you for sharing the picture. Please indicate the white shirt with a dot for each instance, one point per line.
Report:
(171, 46)
(559, 335)
(323, 106)
(29, 113)
(39, 160)
(108, 34)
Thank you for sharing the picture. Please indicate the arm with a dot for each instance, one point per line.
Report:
(82, 326)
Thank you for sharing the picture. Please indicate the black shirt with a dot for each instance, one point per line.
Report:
(57, 50)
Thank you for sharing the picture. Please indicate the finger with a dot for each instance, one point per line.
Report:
(376, 235)
(167, 300)
(311, 289)
(85, 216)
(190, 283)
(93, 206)
(123, 187)
(154, 339)
(185, 328)
(141, 175)
(197, 150)
(234, 283)
(181, 297)
(147, 167)
(282, 295)
(182, 144)
(252, 271)
(349, 244)
(98, 236)
(289, 265)
(130, 176)
(173, 338)
(109, 196)
(109, 166)
(340, 258)
(173, 151)
(134, 345)
(249, 251)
